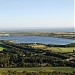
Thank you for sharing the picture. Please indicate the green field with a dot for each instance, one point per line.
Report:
(38, 69)
(62, 49)
(55, 49)
(1, 48)
(64, 69)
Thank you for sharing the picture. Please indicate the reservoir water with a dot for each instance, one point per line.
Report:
(38, 39)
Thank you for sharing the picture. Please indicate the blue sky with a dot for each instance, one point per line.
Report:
(36, 13)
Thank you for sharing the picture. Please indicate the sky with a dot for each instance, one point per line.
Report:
(36, 13)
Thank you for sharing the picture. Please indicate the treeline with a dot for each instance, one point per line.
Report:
(26, 44)
(67, 45)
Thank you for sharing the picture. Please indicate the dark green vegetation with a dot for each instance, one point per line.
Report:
(25, 55)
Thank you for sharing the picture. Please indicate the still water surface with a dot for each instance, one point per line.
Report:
(37, 39)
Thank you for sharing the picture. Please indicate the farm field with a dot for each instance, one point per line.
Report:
(38, 69)
(62, 49)
(55, 49)
(1, 48)
(64, 69)
(33, 69)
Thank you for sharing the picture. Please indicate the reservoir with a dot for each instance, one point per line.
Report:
(38, 39)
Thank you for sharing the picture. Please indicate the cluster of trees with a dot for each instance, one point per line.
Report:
(29, 60)
(36, 73)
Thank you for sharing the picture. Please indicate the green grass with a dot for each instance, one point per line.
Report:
(1, 48)
(38, 69)
(64, 69)
(35, 69)
(62, 49)
(55, 49)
